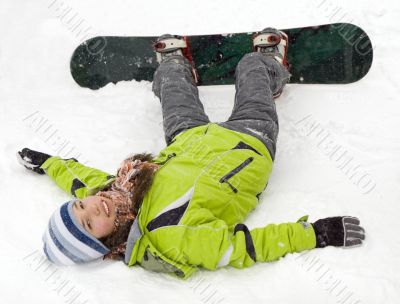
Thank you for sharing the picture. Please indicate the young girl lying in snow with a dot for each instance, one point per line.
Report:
(185, 208)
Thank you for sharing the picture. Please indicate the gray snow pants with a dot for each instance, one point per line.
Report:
(258, 77)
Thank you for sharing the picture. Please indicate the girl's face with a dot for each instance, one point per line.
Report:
(96, 214)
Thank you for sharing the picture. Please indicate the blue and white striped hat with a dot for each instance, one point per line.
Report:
(66, 242)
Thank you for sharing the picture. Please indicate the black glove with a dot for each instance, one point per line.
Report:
(32, 160)
(339, 231)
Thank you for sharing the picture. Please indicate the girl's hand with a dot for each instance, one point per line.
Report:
(32, 160)
(339, 231)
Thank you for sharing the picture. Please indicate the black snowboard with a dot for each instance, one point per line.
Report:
(332, 53)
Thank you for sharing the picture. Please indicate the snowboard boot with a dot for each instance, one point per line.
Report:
(177, 48)
(274, 43)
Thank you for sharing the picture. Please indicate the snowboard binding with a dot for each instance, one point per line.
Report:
(272, 42)
(168, 46)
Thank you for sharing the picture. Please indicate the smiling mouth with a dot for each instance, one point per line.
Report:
(105, 207)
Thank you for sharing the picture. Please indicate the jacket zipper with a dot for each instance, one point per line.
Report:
(235, 171)
(168, 158)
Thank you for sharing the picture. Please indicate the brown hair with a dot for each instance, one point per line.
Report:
(116, 241)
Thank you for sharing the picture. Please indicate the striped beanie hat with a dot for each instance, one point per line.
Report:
(66, 242)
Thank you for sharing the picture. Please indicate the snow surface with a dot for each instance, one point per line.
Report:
(42, 108)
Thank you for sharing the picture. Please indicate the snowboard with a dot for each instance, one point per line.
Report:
(335, 53)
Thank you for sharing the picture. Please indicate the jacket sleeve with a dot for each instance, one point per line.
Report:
(269, 243)
(75, 178)
(212, 245)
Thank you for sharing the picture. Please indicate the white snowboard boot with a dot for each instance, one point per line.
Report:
(175, 47)
(169, 45)
(272, 42)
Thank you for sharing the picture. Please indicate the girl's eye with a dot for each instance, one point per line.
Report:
(81, 205)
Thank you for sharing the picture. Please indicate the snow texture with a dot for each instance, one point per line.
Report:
(337, 154)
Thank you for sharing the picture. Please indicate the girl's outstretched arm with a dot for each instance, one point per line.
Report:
(70, 175)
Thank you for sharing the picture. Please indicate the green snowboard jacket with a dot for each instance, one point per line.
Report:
(209, 180)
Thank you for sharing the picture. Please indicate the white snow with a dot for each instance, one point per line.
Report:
(42, 108)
